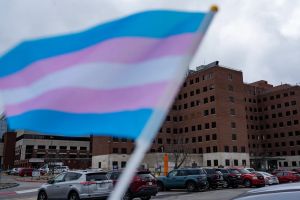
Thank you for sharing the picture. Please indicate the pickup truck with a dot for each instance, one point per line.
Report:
(192, 179)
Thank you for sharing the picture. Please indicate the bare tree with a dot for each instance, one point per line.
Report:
(178, 151)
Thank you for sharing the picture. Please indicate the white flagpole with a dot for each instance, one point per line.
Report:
(144, 142)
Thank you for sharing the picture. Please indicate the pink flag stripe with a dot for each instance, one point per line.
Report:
(82, 100)
(124, 50)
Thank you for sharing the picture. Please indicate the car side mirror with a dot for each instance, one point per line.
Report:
(51, 181)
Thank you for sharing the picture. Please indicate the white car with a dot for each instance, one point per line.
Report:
(269, 178)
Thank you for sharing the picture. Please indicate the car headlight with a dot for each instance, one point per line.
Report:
(254, 178)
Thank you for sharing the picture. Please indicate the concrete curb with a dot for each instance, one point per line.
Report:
(10, 185)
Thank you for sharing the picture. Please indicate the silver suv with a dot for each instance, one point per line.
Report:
(75, 185)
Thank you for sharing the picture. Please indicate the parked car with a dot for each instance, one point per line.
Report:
(297, 170)
(275, 171)
(269, 178)
(192, 179)
(214, 177)
(288, 176)
(285, 191)
(75, 185)
(25, 172)
(251, 179)
(143, 185)
(13, 171)
(232, 178)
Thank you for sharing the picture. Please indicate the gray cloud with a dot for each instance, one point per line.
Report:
(260, 37)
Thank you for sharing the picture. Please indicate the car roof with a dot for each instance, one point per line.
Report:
(276, 188)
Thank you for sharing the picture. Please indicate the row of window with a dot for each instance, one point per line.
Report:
(273, 116)
(275, 135)
(195, 92)
(194, 103)
(122, 150)
(278, 144)
(235, 162)
(278, 96)
(289, 164)
(192, 128)
(215, 149)
(274, 125)
(52, 147)
(197, 79)
(272, 107)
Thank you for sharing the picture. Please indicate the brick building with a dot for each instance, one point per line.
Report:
(207, 120)
(273, 124)
(28, 149)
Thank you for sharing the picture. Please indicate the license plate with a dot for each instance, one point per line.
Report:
(149, 183)
(101, 185)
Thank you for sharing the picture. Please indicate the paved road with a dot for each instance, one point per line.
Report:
(19, 193)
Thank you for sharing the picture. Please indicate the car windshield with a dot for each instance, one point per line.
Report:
(96, 177)
(251, 170)
(234, 171)
(244, 171)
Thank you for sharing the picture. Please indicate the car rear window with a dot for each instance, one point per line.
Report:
(210, 171)
(96, 177)
(234, 171)
(145, 176)
(195, 172)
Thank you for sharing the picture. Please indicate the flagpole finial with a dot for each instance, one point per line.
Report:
(214, 8)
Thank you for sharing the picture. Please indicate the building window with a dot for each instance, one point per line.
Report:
(213, 124)
(214, 136)
(234, 148)
(206, 125)
(208, 163)
(205, 100)
(233, 125)
(212, 98)
(231, 99)
(226, 148)
(199, 138)
(52, 147)
(83, 148)
(41, 147)
(73, 148)
(200, 150)
(159, 141)
(63, 147)
(124, 151)
(233, 136)
(123, 164)
(207, 149)
(285, 164)
(236, 162)
(207, 137)
(213, 111)
(216, 163)
(215, 149)
(115, 150)
(244, 162)
(205, 112)
(243, 149)
(115, 164)
(232, 111)
(227, 162)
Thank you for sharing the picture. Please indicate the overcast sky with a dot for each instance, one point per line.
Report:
(259, 37)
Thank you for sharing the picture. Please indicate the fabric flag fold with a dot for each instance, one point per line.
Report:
(107, 80)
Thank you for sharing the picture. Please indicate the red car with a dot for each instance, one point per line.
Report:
(143, 185)
(249, 179)
(25, 172)
(288, 176)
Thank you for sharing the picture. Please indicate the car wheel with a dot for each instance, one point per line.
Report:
(160, 186)
(73, 196)
(42, 196)
(247, 183)
(146, 197)
(225, 184)
(191, 186)
(204, 188)
(127, 196)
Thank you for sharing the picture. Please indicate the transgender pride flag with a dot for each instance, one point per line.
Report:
(113, 79)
